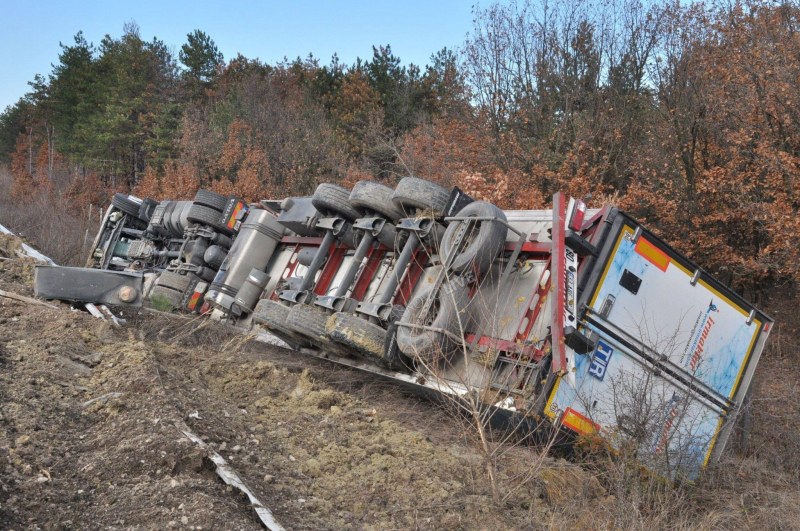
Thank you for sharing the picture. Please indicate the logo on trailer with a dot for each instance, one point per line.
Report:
(699, 344)
(671, 412)
(600, 359)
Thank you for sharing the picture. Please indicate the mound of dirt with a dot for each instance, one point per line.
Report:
(90, 434)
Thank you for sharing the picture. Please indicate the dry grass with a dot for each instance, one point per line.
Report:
(48, 223)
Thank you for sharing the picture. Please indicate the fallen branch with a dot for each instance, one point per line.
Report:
(104, 398)
(22, 298)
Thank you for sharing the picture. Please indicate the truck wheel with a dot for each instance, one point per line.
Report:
(147, 208)
(207, 216)
(272, 315)
(413, 193)
(165, 299)
(331, 199)
(374, 197)
(126, 204)
(359, 334)
(307, 321)
(448, 312)
(174, 281)
(211, 200)
(482, 243)
(393, 356)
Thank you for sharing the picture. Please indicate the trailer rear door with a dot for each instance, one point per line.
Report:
(674, 354)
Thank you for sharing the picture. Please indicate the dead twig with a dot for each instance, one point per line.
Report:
(29, 300)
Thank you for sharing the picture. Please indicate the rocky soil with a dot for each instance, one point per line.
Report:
(91, 436)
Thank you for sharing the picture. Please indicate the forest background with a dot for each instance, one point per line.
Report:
(685, 115)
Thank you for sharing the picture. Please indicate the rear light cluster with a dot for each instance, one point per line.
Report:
(576, 212)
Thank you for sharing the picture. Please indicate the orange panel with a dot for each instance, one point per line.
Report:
(653, 254)
(578, 423)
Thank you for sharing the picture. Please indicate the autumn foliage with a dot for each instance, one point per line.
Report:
(687, 116)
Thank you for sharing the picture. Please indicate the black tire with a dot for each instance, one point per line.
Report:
(358, 334)
(207, 216)
(165, 299)
(126, 204)
(448, 312)
(413, 193)
(146, 209)
(307, 321)
(482, 243)
(162, 224)
(393, 357)
(369, 196)
(174, 281)
(178, 289)
(178, 218)
(272, 315)
(211, 200)
(331, 199)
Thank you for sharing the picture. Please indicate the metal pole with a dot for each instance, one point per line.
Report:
(399, 268)
(355, 265)
(319, 259)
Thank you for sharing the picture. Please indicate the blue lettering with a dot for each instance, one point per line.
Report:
(600, 359)
(597, 370)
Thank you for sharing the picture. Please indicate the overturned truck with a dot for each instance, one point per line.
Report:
(577, 317)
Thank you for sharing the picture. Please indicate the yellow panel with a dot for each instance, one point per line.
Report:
(653, 254)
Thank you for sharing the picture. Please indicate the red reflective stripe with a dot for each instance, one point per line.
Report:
(532, 314)
(505, 345)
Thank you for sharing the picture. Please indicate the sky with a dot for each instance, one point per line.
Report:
(30, 31)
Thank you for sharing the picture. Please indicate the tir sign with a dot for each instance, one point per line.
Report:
(600, 359)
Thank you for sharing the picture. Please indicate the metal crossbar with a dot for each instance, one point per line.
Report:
(448, 333)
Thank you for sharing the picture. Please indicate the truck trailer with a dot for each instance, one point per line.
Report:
(576, 318)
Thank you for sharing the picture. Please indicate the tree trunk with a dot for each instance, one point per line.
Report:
(30, 150)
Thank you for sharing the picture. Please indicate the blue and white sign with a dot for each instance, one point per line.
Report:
(600, 359)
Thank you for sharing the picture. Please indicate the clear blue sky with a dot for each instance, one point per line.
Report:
(269, 30)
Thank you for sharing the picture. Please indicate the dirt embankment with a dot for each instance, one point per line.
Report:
(91, 417)
(90, 437)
